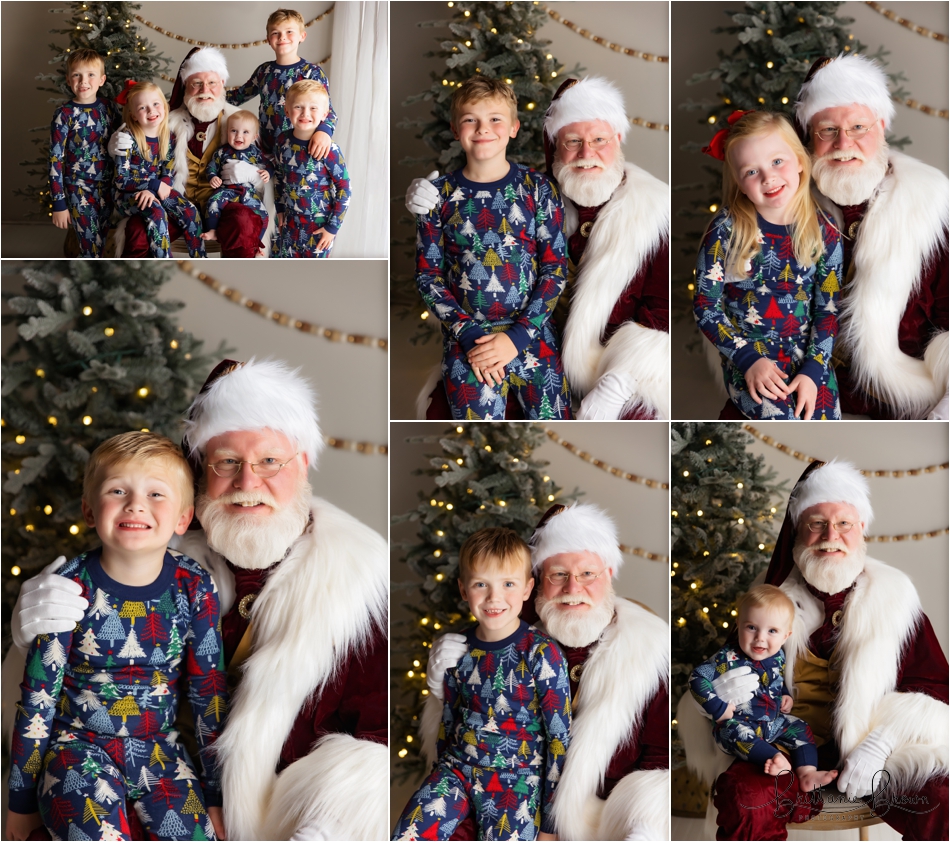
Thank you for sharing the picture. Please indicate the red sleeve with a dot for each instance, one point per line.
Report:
(923, 667)
(646, 300)
(650, 746)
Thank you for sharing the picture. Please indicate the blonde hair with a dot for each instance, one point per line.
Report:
(282, 16)
(807, 240)
(477, 89)
(494, 548)
(245, 117)
(766, 596)
(304, 87)
(78, 57)
(164, 133)
(139, 448)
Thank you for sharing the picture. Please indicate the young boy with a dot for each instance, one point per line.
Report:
(95, 726)
(241, 146)
(271, 81)
(765, 617)
(312, 194)
(507, 709)
(80, 169)
(491, 263)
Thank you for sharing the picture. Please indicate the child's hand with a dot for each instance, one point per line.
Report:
(319, 145)
(787, 702)
(730, 710)
(265, 175)
(807, 394)
(326, 239)
(215, 182)
(280, 220)
(766, 377)
(164, 191)
(61, 219)
(777, 764)
(490, 352)
(216, 814)
(145, 199)
(491, 375)
(21, 825)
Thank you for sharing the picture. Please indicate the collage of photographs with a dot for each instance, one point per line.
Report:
(487, 526)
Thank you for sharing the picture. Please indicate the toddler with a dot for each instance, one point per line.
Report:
(241, 146)
(143, 176)
(491, 264)
(95, 727)
(507, 712)
(768, 275)
(765, 617)
(80, 168)
(312, 194)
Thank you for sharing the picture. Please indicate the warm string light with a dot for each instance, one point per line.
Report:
(198, 43)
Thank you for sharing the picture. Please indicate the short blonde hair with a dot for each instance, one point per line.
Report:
(282, 16)
(494, 548)
(304, 87)
(766, 596)
(79, 57)
(245, 117)
(139, 448)
(479, 88)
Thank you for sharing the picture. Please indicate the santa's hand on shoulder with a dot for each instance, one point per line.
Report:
(48, 604)
(120, 142)
(446, 652)
(860, 767)
(736, 686)
(422, 195)
(239, 172)
(606, 400)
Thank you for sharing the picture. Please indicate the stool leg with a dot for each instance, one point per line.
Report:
(864, 834)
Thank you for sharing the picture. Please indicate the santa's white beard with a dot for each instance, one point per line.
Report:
(202, 109)
(575, 628)
(830, 576)
(586, 189)
(849, 185)
(249, 540)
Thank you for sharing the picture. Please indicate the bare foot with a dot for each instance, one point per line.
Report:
(777, 764)
(810, 778)
(210, 235)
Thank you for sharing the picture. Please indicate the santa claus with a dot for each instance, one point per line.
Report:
(615, 783)
(198, 119)
(863, 665)
(614, 312)
(304, 590)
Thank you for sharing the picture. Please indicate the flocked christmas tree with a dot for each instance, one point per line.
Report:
(98, 353)
(724, 520)
(777, 45)
(110, 30)
(485, 475)
(499, 41)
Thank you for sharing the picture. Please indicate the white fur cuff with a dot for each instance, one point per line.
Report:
(643, 355)
(641, 797)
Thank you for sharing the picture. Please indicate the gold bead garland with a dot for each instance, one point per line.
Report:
(599, 463)
(364, 447)
(643, 553)
(196, 43)
(282, 319)
(907, 24)
(617, 48)
(926, 109)
(916, 536)
(647, 124)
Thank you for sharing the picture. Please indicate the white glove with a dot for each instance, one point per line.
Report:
(642, 832)
(605, 401)
(941, 412)
(445, 653)
(311, 832)
(863, 764)
(422, 196)
(239, 172)
(120, 142)
(736, 687)
(48, 604)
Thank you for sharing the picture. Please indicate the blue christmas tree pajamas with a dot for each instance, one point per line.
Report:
(311, 194)
(80, 170)
(134, 174)
(779, 311)
(758, 723)
(505, 724)
(270, 82)
(491, 257)
(244, 194)
(96, 723)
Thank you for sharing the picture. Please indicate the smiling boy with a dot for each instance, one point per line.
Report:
(507, 714)
(80, 169)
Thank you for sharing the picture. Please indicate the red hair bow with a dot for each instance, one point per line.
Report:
(122, 97)
(715, 148)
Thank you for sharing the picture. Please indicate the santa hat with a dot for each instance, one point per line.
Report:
(199, 60)
(846, 80)
(254, 396)
(576, 529)
(580, 101)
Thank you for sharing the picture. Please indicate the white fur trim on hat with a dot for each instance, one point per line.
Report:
(257, 396)
(577, 529)
(206, 60)
(846, 80)
(835, 482)
(593, 98)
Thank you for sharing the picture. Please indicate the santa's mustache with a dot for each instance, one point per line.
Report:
(842, 155)
(585, 164)
(252, 498)
(831, 545)
(567, 599)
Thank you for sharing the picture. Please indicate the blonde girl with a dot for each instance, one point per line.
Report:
(768, 275)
